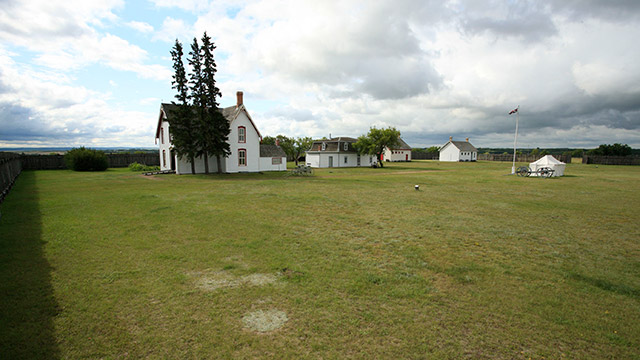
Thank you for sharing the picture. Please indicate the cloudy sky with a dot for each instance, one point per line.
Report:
(94, 73)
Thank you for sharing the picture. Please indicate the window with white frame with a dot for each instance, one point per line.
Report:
(162, 135)
(242, 134)
(164, 158)
(346, 146)
(242, 157)
(324, 146)
(345, 159)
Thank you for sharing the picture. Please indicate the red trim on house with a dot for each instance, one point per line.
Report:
(244, 134)
(245, 157)
(243, 108)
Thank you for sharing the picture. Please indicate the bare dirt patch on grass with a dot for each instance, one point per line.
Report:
(150, 177)
(217, 280)
(265, 320)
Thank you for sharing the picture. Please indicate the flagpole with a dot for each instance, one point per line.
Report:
(515, 141)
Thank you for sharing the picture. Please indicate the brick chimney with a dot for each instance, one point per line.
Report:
(450, 138)
(467, 139)
(239, 96)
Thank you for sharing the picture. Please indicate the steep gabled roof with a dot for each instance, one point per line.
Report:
(461, 145)
(230, 113)
(401, 145)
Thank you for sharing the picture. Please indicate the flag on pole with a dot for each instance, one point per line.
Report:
(513, 111)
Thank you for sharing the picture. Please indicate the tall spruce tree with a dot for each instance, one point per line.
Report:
(181, 121)
(198, 96)
(215, 140)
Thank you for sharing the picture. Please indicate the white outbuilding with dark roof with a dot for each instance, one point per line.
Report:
(247, 154)
(458, 151)
(336, 152)
(400, 152)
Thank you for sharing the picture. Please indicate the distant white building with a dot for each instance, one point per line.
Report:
(247, 154)
(400, 152)
(458, 151)
(336, 152)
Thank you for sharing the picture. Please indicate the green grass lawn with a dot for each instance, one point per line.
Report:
(351, 263)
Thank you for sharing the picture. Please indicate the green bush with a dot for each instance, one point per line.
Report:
(134, 166)
(83, 159)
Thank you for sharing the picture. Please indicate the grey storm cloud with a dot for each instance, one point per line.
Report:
(531, 28)
(397, 78)
(378, 54)
(577, 10)
(23, 124)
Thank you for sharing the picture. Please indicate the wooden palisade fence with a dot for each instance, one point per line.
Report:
(52, 162)
(418, 155)
(521, 157)
(422, 155)
(611, 160)
(10, 168)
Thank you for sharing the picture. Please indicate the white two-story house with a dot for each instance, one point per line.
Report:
(247, 154)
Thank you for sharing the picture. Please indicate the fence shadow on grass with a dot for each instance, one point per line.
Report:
(27, 304)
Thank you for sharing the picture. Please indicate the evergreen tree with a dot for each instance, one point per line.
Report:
(198, 96)
(181, 120)
(217, 135)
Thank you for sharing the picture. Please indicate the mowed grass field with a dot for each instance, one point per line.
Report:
(349, 263)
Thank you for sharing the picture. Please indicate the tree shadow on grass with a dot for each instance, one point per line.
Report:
(608, 285)
(27, 304)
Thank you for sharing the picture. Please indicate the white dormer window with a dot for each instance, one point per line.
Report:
(346, 146)
(324, 146)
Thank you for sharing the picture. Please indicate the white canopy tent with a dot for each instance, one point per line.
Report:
(549, 162)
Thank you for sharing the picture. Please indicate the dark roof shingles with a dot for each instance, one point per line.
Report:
(271, 151)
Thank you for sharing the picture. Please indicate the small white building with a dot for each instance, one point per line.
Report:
(247, 154)
(400, 152)
(458, 151)
(336, 152)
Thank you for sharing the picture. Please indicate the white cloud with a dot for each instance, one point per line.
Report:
(173, 29)
(188, 5)
(39, 110)
(140, 26)
(67, 38)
